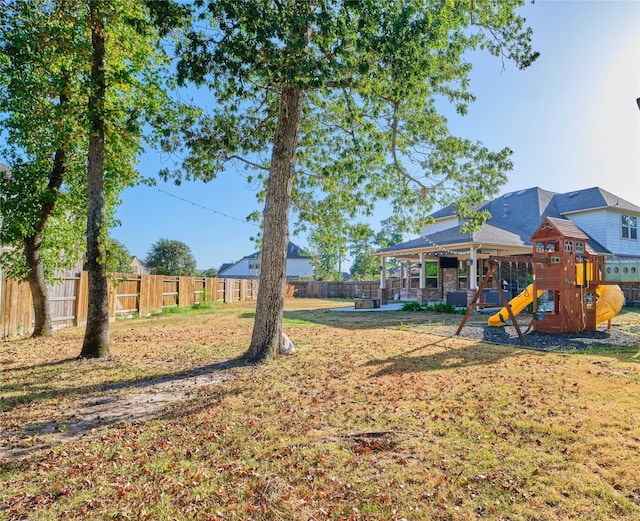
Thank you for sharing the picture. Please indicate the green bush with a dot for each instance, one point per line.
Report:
(411, 306)
(445, 308)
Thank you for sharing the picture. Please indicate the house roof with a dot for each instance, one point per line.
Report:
(225, 265)
(515, 217)
(135, 258)
(293, 252)
(570, 229)
(590, 199)
(5, 173)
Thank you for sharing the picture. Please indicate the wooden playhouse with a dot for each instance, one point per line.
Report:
(569, 277)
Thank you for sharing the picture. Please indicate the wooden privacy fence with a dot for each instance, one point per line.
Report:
(350, 289)
(129, 294)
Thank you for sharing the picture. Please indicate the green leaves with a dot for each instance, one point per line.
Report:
(373, 73)
(45, 65)
(171, 257)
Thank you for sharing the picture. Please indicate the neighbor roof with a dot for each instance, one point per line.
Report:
(293, 252)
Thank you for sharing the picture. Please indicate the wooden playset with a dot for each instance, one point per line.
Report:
(574, 288)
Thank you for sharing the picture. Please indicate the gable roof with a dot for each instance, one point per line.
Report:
(566, 227)
(569, 229)
(225, 265)
(515, 217)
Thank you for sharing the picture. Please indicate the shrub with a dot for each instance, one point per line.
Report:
(445, 308)
(411, 306)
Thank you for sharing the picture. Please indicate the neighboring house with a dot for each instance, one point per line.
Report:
(299, 265)
(445, 259)
(138, 266)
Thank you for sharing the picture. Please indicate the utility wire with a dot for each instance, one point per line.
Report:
(206, 207)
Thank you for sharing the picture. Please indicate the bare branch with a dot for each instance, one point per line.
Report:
(244, 160)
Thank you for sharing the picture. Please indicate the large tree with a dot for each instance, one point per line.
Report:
(126, 90)
(79, 79)
(41, 199)
(335, 103)
(364, 241)
(171, 257)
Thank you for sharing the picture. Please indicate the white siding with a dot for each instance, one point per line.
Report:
(240, 269)
(605, 226)
(594, 223)
(441, 224)
(295, 268)
(299, 268)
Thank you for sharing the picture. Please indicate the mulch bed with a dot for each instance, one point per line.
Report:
(617, 336)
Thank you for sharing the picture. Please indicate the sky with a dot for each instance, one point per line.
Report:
(571, 120)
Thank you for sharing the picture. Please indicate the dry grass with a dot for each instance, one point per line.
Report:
(372, 418)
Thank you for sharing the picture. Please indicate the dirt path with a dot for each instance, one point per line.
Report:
(85, 417)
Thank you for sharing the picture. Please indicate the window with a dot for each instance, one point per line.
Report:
(579, 247)
(629, 227)
(254, 264)
(463, 275)
(568, 245)
(415, 276)
(430, 274)
(539, 247)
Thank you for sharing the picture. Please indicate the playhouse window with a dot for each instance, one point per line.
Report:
(579, 247)
(254, 264)
(568, 245)
(550, 247)
(539, 247)
(629, 227)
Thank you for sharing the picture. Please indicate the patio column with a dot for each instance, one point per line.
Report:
(422, 279)
(473, 269)
(383, 272)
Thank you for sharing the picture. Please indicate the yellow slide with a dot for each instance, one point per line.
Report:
(517, 303)
(609, 303)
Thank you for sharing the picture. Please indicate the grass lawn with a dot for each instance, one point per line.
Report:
(373, 418)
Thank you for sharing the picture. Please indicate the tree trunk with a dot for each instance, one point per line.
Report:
(33, 244)
(267, 329)
(96, 337)
(42, 324)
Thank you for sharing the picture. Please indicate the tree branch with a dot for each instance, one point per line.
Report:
(394, 147)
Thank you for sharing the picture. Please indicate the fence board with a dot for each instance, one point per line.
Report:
(186, 291)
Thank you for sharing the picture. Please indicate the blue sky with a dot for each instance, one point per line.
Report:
(571, 120)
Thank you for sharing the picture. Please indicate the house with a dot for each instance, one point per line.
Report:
(299, 265)
(446, 260)
(138, 266)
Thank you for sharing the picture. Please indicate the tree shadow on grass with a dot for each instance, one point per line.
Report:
(93, 407)
(447, 358)
(41, 390)
(357, 320)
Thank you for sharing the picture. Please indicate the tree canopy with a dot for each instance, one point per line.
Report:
(171, 257)
(334, 105)
(118, 257)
